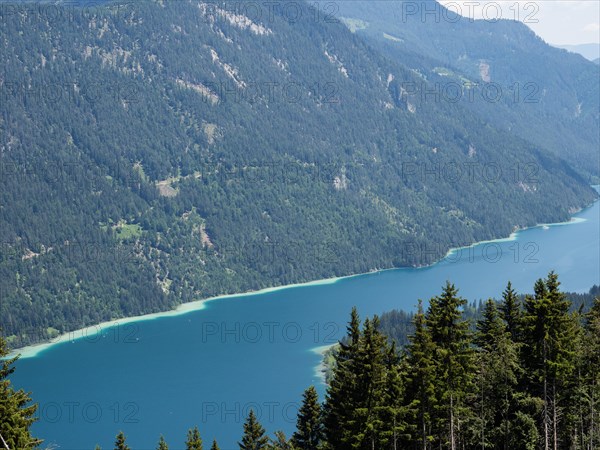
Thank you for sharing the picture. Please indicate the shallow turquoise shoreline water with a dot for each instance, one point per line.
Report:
(209, 365)
(93, 330)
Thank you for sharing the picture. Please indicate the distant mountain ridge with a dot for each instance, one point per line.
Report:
(540, 93)
(588, 51)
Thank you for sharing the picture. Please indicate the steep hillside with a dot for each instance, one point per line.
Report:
(153, 153)
(502, 70)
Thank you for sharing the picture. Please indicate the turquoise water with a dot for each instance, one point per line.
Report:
(210, 366)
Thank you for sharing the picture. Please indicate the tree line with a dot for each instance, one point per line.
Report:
(526, 376)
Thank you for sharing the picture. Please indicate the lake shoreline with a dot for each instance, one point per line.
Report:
(34, 350)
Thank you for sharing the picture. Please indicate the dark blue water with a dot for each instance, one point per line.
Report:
(209, 367)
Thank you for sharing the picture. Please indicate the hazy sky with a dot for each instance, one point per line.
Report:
(556, 21)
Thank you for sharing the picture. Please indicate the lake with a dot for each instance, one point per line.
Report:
(208, 367)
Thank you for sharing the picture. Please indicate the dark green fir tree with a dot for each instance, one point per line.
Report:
(342, 391)
(194, 441)
(512, 312)
(162, 445)
(16, 410)
(254, 434)
(309, 427)
(419, 373)
(120, 442)
(454, 365)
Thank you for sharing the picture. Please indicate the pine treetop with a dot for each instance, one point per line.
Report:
(254, 434)
(120, 443)
(162, 445)
(194, 441)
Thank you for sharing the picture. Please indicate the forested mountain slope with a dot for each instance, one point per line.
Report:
(506, 74)
(153, 153)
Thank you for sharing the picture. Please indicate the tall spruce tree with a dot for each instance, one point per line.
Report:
(162, 444)
(590, 410)
(194, 441)
(512, 312)
(120, 442)
(342, 390)
(366, 426)
(499, 368)
(550, 336)
(420, 376)
(575, 415)
(254, 434)
(309, 427)
(357, 406)
(392, 410)
(214, 445)
(454, 366)
(16, 410)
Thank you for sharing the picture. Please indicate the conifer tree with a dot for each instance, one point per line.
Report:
(392, 410)
(499, 369)
(120, 443)
(281, 442)
(549, 355)
(162, 445)
(194, 441)
(365, 428)
(575, 415)
(489, 327)
(309, 427)
(511, 312)
(214, 445)
(341, 392)
(16, 410)
(254, 434)
(356, 408)
(420, 384)
(454, 364)
(590, 410)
